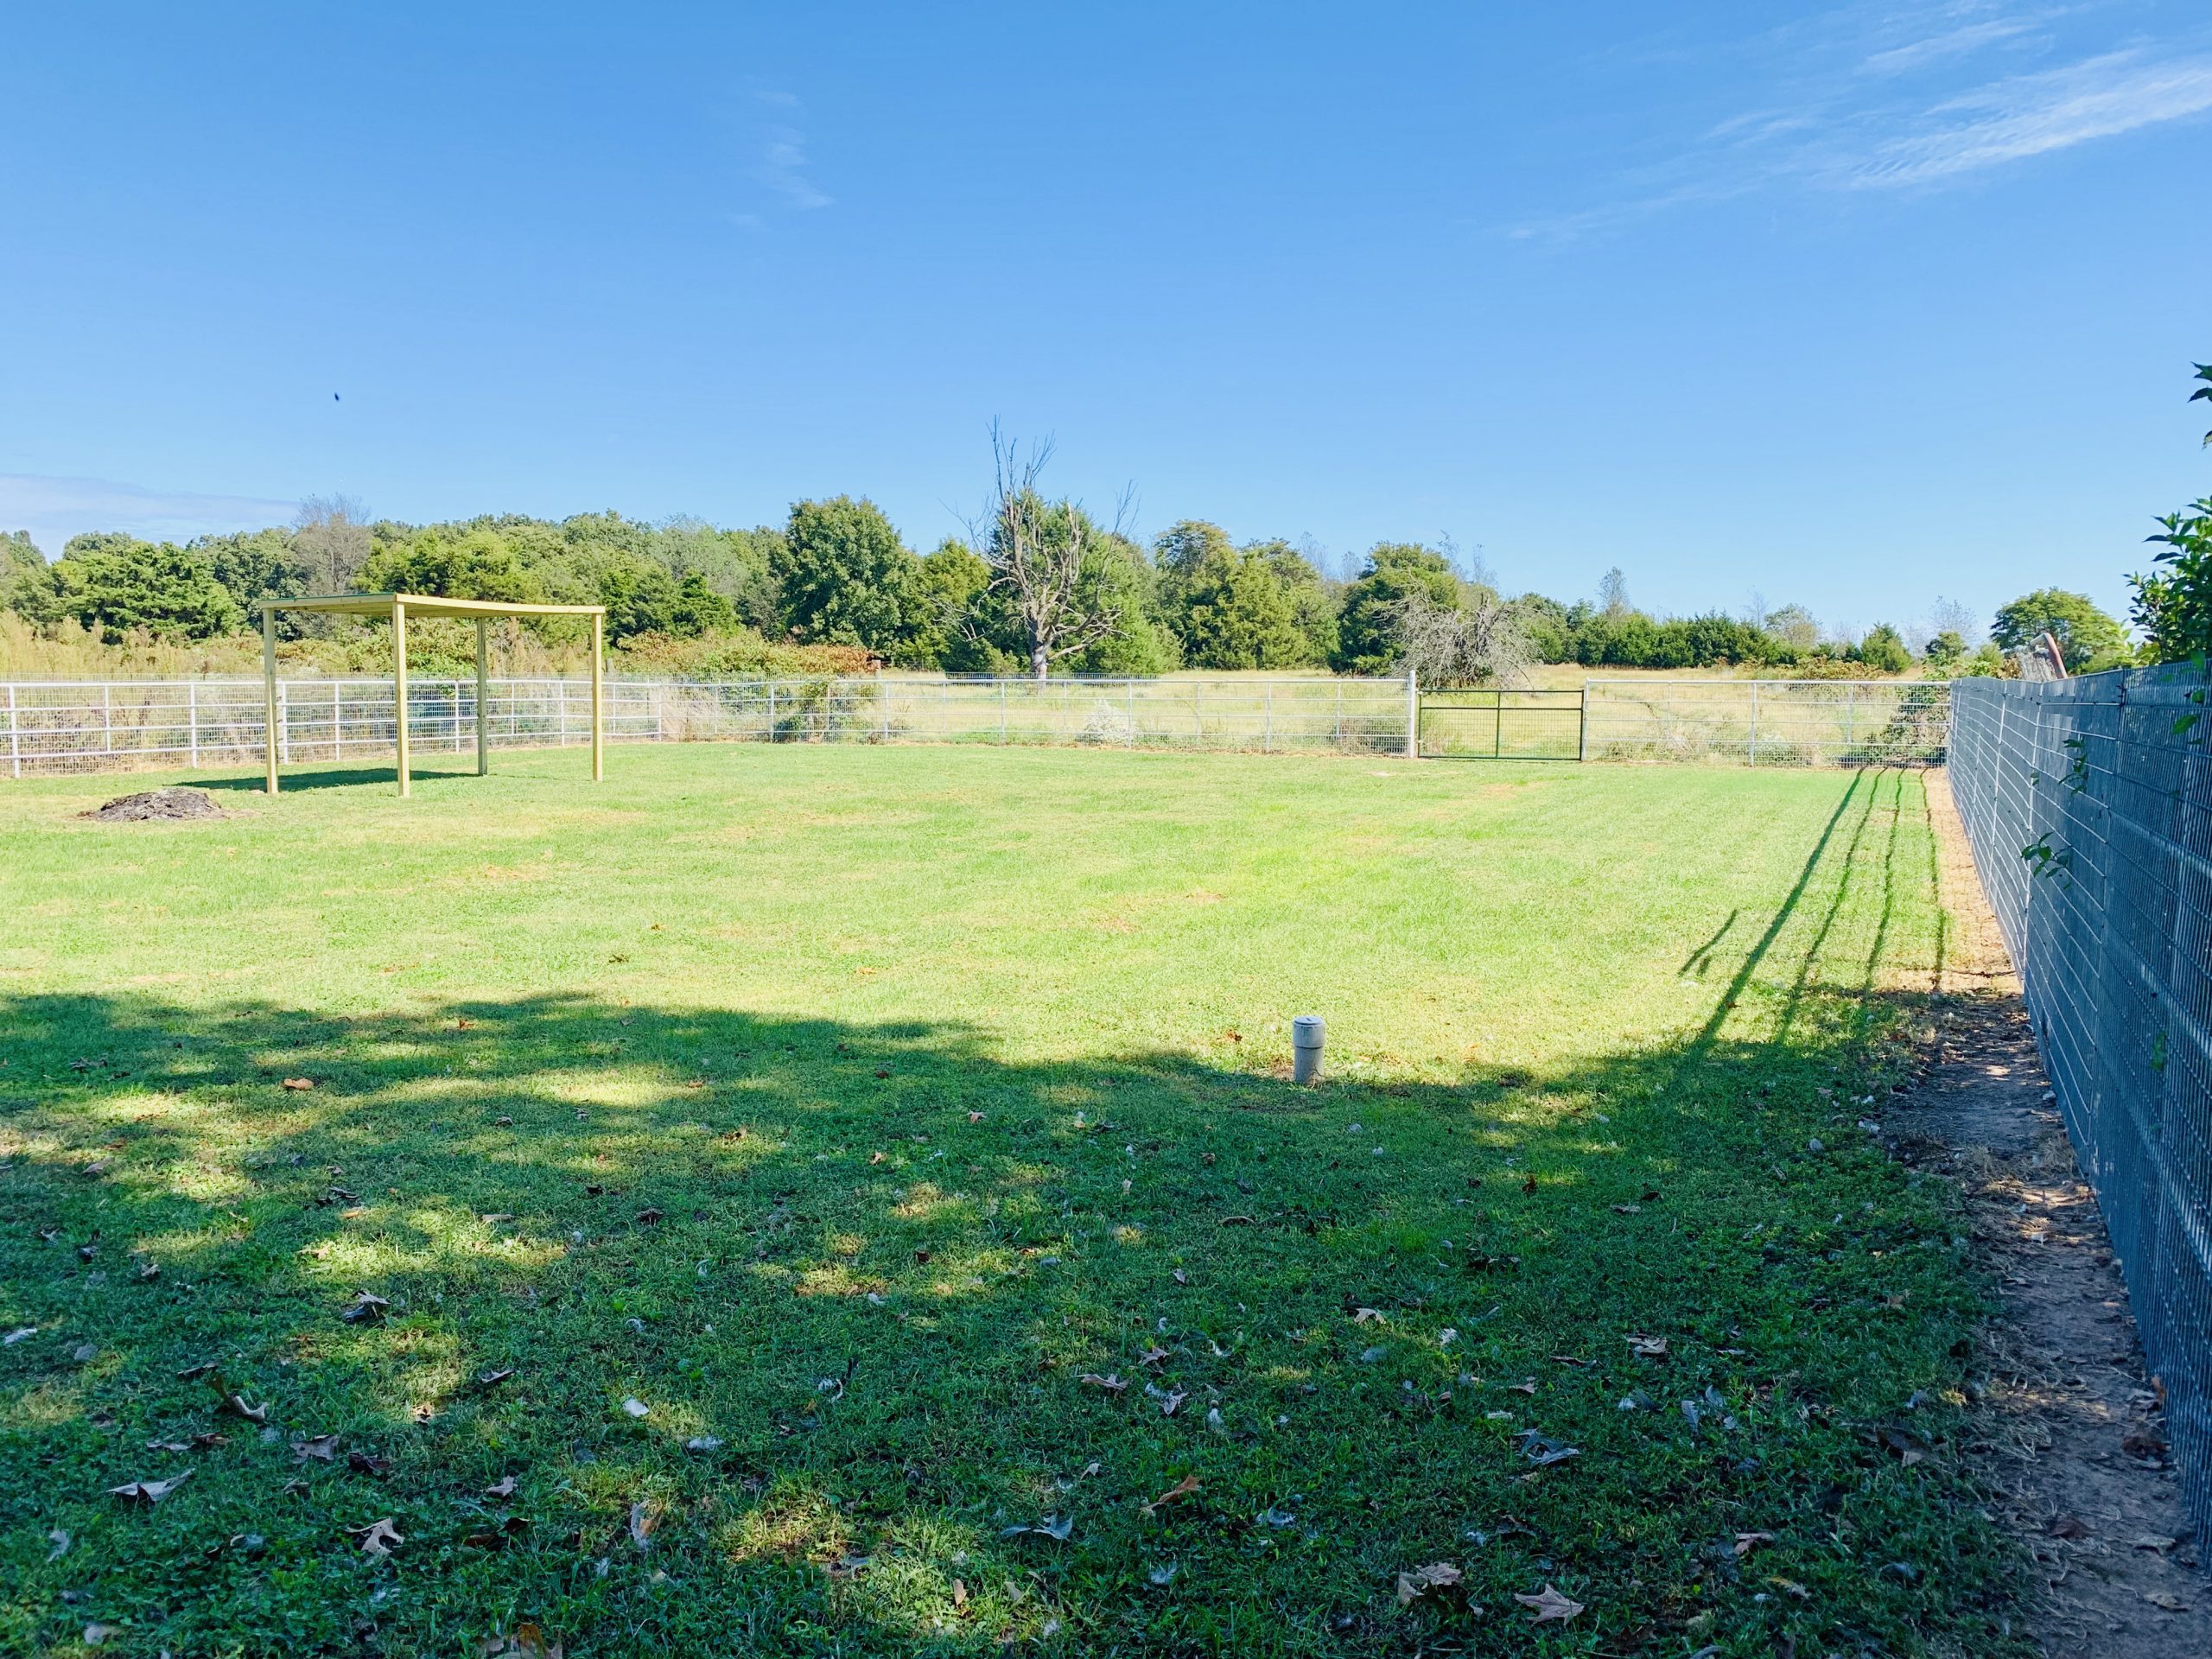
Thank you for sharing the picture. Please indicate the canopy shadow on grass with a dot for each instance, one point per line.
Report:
(309, 777)
(882, 1311)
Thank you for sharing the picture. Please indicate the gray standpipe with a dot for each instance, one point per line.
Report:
(1306, 1037)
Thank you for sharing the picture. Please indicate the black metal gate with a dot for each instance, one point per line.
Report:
(1488, 723)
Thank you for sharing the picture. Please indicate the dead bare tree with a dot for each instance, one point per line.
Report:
(1039, 553)
(1479, 642)
(331, 540)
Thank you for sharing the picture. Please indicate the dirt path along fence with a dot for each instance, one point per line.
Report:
(2088, 805)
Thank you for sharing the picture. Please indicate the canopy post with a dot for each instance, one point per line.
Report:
(483, 700)
(400, 691)
(268, 693)
(598, 698)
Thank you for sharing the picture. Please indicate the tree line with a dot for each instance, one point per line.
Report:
(1038, 585)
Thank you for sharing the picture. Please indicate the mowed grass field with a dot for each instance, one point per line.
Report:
(839, 1200)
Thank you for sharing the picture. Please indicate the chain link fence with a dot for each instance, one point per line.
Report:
(2088, 805)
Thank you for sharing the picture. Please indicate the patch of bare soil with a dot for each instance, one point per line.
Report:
(2073, 1445)
(152, 804)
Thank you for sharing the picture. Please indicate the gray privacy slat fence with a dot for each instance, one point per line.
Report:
(2088, 805)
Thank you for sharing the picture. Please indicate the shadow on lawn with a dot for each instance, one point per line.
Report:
(862, 1279)
(312, 776)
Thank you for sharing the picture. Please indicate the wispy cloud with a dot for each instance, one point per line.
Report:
(54, 509)
(1950, 43)
(2033, 115)
(778, 158)
(1876, 95)
(783, 169)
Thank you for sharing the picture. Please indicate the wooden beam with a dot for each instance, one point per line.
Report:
(269, 692)
(598, 698)
(483, 700)
(399, 691)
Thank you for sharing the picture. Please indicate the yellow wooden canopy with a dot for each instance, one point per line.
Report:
(400, 606)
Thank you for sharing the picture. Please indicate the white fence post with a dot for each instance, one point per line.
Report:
(192, 719)
(1755, 722)
(283, 724)
(107, 718)
(1268, 718)
(14, 733)
(1001, 710)
(1413, 712)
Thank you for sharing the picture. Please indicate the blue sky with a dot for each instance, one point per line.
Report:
(1856, 305)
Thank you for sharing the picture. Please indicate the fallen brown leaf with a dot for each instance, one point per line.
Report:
(1182, 1488)
(366, 1308)
(149, 1493)
(1548, 1605)
(1111, 1383)
(1418, 1582)
(299, 1085)
(322, 1446)
(503, 1487)
(378, 1538)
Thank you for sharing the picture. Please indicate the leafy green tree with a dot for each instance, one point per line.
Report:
(473, 564)
(1236, 614)
(1945, 652)
(117, 583)
(2173, 605)
(260, 564)
(1883, 650)
(2087, 637)
(1315, 602)
(26, 585)
(1367, 638)
(845, 576)
(644, 597)
(948, 583)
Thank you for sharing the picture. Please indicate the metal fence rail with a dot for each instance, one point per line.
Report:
(96, 726)
(1768, 722)
(2088, 805)
(111, 725)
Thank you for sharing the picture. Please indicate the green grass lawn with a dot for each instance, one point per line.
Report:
(853, 1111)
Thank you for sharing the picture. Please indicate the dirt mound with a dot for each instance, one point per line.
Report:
(158, 804)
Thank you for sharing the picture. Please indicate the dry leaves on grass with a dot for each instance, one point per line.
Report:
(299, 1085)
(643, 1517)
(525, 1642)
(378, 1538)
(323, 1447)
(1648, 1347)
(1110, 1382)
(503, 1487)
(366, 1308)
(149, 1493)
(1547, 1604)
(1420, 1580)
(1183, 1488)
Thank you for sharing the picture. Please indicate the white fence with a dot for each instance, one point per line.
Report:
(99, 726)
(1767, 722)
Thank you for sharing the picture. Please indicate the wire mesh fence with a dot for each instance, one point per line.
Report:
(90, 726)
(2088, 805)
(1768, 722)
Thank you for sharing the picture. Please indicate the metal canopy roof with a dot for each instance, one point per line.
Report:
(421, 604)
